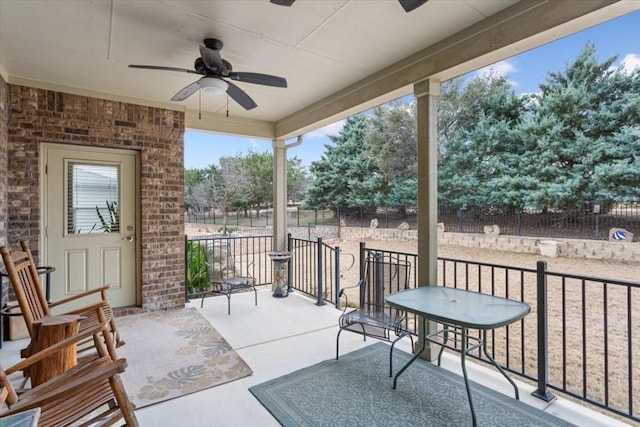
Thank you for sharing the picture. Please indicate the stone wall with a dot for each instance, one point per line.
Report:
(569, 248)
(39, 116)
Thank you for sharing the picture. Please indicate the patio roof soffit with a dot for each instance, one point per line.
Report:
(220, 123)
(523, 26)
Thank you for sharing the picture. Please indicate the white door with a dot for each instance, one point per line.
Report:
(89, 221)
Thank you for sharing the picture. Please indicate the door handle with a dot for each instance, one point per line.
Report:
(129, 239)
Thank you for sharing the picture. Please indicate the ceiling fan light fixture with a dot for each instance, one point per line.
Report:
(213, 85)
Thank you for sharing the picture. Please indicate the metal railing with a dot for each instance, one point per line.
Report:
(315, 268)
(578, 339)
(249, 253)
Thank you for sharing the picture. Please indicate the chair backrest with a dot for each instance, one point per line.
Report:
(383, 274)
(7, 392)
(25, 281)
(223, 263)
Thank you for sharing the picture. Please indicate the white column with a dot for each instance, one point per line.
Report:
(279, 195)
(427, 93)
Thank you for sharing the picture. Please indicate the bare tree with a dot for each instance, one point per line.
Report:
(231, 182)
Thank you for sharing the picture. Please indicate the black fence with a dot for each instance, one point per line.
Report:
(589, 221)
(578, 338)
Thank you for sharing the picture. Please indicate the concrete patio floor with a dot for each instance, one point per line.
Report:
(282, 335)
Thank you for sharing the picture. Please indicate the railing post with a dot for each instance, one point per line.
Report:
(337, 273)
(290, 263)
(543, 343)
(362, 260)
(378, 296)
(320, 276)
(186, 267)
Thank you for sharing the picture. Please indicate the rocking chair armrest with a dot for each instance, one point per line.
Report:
(77, 380)
(36, 357)
(90, 310)
(78, 296)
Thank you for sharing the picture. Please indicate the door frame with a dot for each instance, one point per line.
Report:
(43, 256)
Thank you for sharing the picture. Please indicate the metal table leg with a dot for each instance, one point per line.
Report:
(498, 367)
(415, 356)
(463, 359)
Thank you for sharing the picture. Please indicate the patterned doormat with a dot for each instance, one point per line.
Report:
(357, 391)
(173, 353)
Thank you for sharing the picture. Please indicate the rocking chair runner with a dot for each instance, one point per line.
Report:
(91, 392)
(383, 274)
(25, 280)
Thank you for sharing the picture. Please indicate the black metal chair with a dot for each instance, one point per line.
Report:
(383, 274)
(226, 276)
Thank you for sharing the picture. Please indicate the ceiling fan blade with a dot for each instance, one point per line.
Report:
(409, 5)
(158, 67)
(187, 91)
(259, 79)
(283, 2)
(211, 58)
(240, 97)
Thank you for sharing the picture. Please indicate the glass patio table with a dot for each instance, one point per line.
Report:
(460, 310)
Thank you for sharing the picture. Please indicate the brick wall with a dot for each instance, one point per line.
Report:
(39, 116)
(4, 117)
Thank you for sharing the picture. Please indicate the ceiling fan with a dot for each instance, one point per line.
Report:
(216, 72)
(408, 5)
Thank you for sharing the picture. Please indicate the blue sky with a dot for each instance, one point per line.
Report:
(619, 37)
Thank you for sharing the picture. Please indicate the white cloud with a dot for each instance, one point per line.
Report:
(332, 129)
(500, 68)
(630, 62)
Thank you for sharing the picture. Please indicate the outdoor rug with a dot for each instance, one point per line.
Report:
(173, 353)
(357, 391)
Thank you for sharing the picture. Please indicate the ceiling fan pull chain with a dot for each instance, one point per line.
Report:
(227, 105)
(200, 104)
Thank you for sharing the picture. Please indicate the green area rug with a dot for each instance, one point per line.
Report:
(357, 391)
(173, 353)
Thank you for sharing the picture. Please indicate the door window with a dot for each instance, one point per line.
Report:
(93, 192)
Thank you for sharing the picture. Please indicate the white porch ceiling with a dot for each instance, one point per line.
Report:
(328, 50)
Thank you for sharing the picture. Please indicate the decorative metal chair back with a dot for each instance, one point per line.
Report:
(384, 274)
(227, 277)
(381, 275)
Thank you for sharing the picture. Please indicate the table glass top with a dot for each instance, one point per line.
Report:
(459, 307)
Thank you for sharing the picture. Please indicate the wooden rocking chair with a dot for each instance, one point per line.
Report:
(90, 393)
(25, 280)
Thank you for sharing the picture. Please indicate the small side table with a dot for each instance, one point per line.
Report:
(49, 331)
